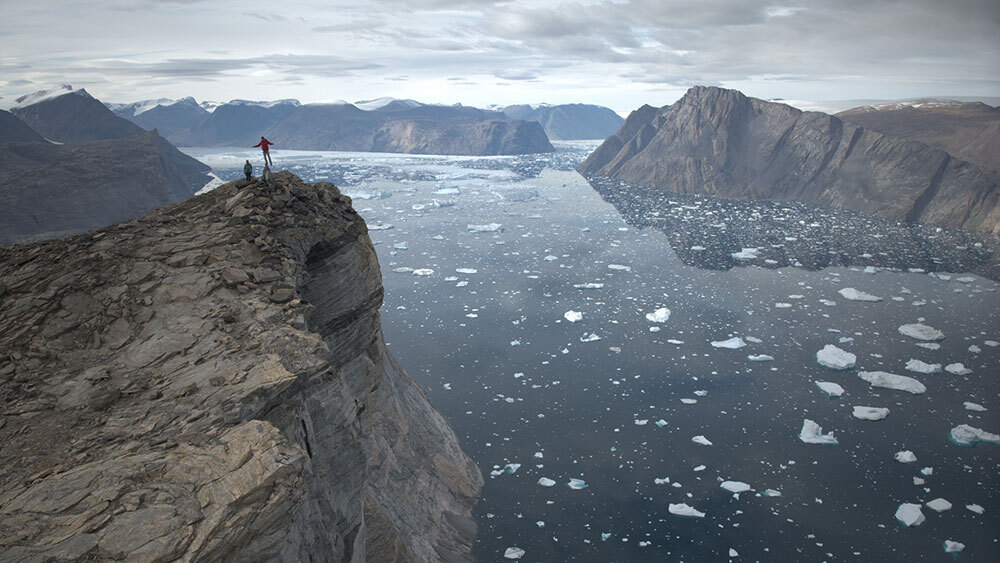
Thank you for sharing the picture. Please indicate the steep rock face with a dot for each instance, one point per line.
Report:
(75, 117)
(209, 382)
(721, 143)
(969, 131)
(570, 121)
(56, 190)
(169, 117)
(13, 130)
(238, 123)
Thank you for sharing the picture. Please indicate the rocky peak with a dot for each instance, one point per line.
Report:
(209, 382)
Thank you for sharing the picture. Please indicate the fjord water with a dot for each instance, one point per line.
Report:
(483, 257)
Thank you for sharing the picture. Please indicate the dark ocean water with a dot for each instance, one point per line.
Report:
(481, 261)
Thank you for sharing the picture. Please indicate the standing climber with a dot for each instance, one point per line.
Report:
(248, 170)
(263, 144)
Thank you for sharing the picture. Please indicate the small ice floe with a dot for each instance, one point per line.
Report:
(546, 482)
(852, 294)
(577, 484)
(834, 358)
(929, 345)
(660, 423)
(675, 342)
(660, 315)
(661, 481)
(513, 553)
(974, 407)
(871, 413)
(760, 358)
(927, 471)
(403, 270)
(746, 254)
(975, 349)
(812, 433)
(683, 509)
(771, 493)
(467, 270)
(921, 331)
(462, 283)
(447, 191)
(957, 369)
(605, 536)
(401, 246)
(754, 340)
(423, 272)
(515, 342)
(827, 302)
(487, 228)
(654, 329)
(782, 305)
(733, 553)
(965, 279)
(697, 248)
(573, 316)
(905, 456)
(699, 439)
(511, 468)
(734, 343)
(699, 468)
(588, 285)
(687, 401)
(938, 505)
(620, 267)
(991, 343)
(965, 435)
(735, 486)
(380, 227)
(830, 388)
(887, 380)
(922, 367)
(953, 546)
(592, 337)
(550, 258)
(975, 508)
(909, 514)
(640, 422)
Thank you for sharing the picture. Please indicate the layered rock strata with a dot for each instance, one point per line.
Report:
(721, 143)
(209, 382)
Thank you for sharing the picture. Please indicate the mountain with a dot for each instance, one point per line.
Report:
(53, 190)
(966, 130)
(721, 143)
(238, 123)
(13, 130)
(400, 126)
(73, 117)
(169, 117)
(209, 382)
(569, 121)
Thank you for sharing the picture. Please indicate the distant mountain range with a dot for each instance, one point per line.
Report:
(569, 121)
(81, 167)
(721, 143)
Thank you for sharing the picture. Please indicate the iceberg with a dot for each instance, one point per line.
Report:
(922, 367)
(871, 413)
(546, 482)
(658, 316)
(466, 270)
(659, 481)
(685, 510)
(965, 435)
(423, 272)
(577, 484)
(513, 553)
(699, 439)
(974, 407)
(921, 332)
(735, 486)
(938, 505)
(620, 267)
(905, 456)
(771, 493)
(953, 546)
(812, 433)
(487, 228)
(975, 508)
(830, 388)
(588, 285)
(760, 358)
(909, 514)
(592, 337)
(660, 423)
(573, 316)
(957, 369)
(511, 468)
(746, 254)
(854, 295)
(835, 358)
(734, 343)
(887, 380)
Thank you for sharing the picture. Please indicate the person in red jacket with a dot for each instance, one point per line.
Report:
(263, 144)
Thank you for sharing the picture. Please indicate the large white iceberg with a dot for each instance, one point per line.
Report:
(965, 435)
(871, 413)
(658, 316)
(733, 343)
(855, 295)
(835, 358)
(887, 380)
(683, 509)
(812, 433)
(921, 332)
(909, 514)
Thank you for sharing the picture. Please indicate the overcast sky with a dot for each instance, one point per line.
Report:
(617, 53)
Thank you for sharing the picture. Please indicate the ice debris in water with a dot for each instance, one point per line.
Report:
(909, 514)
(588, 285)
(830, 388)
(573, 316)
(922, 367)
(658, 316)
(513, 553)
(620, 267)
(957, 369)
(974, 406)
(733, 553)
(466, 270)
(953, 546)
(760, 358)
(854, 295)
(577, 484)
(699, 439)
(871, 413)
(734, 343)
(921, 332)
(592, 337)
(746, 254)
(905, 456)
(975, 508)
(771, 493)
(812, 433)
(423, 272)
(683, 509)
(659, 481)
(965, 435)
(735, 486)
(835, 358)
(939, 505)
(487, 228)
(511, 468)
(887, 380)
(546, 482)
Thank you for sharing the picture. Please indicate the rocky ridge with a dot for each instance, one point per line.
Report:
(721, 143)
(209, 382)
(569, 121)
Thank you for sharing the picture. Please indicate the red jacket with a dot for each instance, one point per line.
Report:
(263, 144)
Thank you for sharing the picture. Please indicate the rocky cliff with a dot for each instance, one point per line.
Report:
(721, 143)
(209, 382)
(569, 121)
(75, 117)
(13, 130)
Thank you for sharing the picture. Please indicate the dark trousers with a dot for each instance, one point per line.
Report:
(267, 158)
(248, 175)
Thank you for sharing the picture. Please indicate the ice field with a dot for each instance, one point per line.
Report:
(643, 376)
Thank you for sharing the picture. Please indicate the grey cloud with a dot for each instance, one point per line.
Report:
(515, 75)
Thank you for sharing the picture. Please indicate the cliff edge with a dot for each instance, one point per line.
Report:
(209, 382)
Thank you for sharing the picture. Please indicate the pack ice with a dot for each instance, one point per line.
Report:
(812, 433)
(835, 358)
(887, 380)
(965, 435)
(921, 332)
(854, 295)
